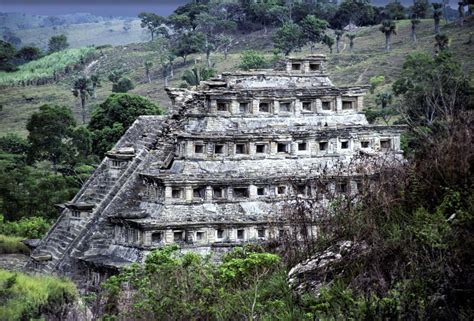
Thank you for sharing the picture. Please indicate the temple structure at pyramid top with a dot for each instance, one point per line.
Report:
(216, 171)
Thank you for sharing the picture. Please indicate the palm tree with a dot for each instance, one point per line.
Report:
(414, 22)
(442, 43)
(83, 89)
(389, 28)
(461, 5)
(148, 65)
(437, 14)
(338, 34)
(95, 82)
(194, 76)
(351, 37)
(328, 41)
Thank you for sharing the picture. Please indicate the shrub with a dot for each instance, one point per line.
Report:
(27, 227)
(123, 85)
(252, 59)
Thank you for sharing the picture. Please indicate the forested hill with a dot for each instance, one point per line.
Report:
(367, 60)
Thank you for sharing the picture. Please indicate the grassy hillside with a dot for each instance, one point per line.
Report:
(369, 59)
(86, 34)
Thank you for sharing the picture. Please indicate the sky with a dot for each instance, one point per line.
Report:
(129, 8)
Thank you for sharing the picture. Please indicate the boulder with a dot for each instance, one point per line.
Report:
(320, 270)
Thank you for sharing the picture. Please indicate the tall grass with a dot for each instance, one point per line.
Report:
(12, 244)
(47, 68)
(27, 297)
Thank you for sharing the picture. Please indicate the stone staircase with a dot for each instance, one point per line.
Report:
(65, 236)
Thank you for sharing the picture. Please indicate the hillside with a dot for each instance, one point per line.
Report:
(368, 60)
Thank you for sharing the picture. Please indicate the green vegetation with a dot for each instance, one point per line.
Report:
(113, 117)
(57, 43)
(26, 227)
(27, 297)
(47, 68)
(194, 76)
(251, 59)
(13, 245)
(248, 284)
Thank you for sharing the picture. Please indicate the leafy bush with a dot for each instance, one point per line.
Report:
(251, 59)
(26, 297)
(123, 85)
(12, 245)
(46, 67)
(27, 227)
(187, 286)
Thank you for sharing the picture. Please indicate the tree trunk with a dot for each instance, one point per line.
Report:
(413, 33)
(83, 104)
(148, 76)
(312, 48)
(94, 92)
(338, 49)
(152, 35)
(171, 69)
(208, 58)
(461, 15)
(351, 46)
(166, 81)
(184, 59)
(436, 26)
(225, 53)
(388, 35)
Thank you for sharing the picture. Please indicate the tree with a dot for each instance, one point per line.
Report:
(194, 76)
(191, 11)
(359, 12)
(212, 25)
(57, 43)
(83, 88)
(328, 41)
(395, 10)
(414, 23)
(95, 79)
(461, 5)
(338, 34)
(433, 89)
(115, 76)
(7, 53)
(313, 30)
(388, 28)
(14, 144)
(225, 42)
(123, 85)
(49, 130)
(151, 21)
(437, 14)
(28, 53)
(188, 43)
(351, 37)
(442, 43)
(420, 9)
(288, 38)
(112, 118)
(148, 64)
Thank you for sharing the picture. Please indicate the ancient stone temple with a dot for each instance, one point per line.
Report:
(216, 170)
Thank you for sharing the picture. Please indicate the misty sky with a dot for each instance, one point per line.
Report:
(96, 7)
(129, 8)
